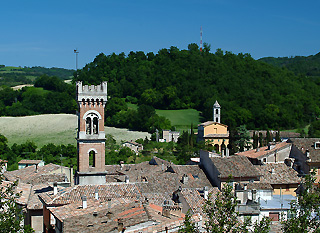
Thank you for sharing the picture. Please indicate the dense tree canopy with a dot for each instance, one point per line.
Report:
(250, 92)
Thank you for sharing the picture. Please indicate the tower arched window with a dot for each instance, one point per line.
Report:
(92, 158)
(217, 111)
(92, 124)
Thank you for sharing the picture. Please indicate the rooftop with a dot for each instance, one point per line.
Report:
(33, 175)
(304, 144)
(278, 173)
(211, 123)
(29, 161)
(236, 166)
(264, 151)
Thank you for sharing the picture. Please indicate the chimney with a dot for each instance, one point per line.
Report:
(96, 194)
(272, 171)
(84, 202)
(109, 203)
(166, 209)
(127, 179)
(162, 167)
(36, 171)
(121, 165)
(258, 149)
(205, 192)
(254, 195)
(120, 226)
(185, 179)
(245, 187)
(71, 176)
(55, 188)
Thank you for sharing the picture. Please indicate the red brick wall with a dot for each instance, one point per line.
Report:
(87, 107)
(84, 149)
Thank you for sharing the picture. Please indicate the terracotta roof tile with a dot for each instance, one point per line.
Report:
(304, 144)
(264, 151)
(278, 173)
(237, 166)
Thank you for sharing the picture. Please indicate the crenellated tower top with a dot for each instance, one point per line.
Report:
(92, 93)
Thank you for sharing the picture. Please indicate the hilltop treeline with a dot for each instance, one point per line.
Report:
(300, 65)
(250, 92)
(12, 76)
(49, 95)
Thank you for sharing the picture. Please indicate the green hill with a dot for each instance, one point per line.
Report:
(13, 76)
(250, 92)
(305, 65)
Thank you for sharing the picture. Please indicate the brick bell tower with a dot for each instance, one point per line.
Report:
(91, 136)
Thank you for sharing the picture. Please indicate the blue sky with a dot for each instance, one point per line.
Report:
(45, 33)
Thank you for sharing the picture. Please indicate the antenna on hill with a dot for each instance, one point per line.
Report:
(76, 52)
(201, 39)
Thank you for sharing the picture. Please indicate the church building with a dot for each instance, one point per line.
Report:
(214, 133)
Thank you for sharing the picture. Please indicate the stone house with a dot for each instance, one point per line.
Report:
(283, 179)
(310, 148)
(219, 169)
(168, 136)
(27, 162)
(33, 181)
(134, 146)
(282, 152)
(116, 216)
(4, 166)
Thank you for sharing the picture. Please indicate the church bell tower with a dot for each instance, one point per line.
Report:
(216, 112)
(91, 136)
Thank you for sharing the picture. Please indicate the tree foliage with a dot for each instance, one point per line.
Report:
(306, 210)
(222, 217)
(250, 92)
(11, 214)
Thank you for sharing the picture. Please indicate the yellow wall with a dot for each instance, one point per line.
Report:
(215, 128)
(315, 166)
(284, 189)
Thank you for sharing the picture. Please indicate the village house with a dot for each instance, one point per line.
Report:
(4, 166)
(26, 163)
(283, 179)
(169, 135)
(134, 146)
(32, 181)
(282, 152)
(220, 169)
(310, 148)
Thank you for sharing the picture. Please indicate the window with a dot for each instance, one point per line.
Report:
(92, 124)
(92, 158)
(317, 145)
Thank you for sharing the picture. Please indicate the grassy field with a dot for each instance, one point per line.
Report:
(53, 128)
(181, 119)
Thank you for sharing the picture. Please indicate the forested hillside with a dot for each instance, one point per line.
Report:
(250, 92)
(12, 76)
(307, 66)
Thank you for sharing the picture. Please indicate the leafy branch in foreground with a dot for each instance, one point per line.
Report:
(221, 216)
(305, 210)
(11, 214)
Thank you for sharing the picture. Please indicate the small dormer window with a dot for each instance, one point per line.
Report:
(317, 145)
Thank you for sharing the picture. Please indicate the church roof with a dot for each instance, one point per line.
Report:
(216, 104)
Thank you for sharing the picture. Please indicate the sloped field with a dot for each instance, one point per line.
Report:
(53, 128)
